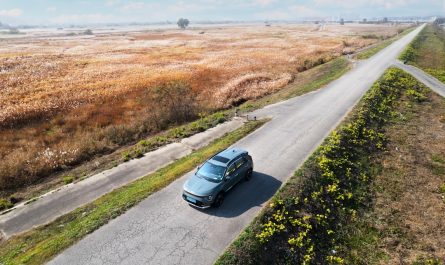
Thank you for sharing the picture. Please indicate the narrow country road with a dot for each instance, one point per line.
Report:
(163, 229)
(423, 77)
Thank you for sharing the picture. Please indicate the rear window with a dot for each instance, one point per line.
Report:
(221, 159)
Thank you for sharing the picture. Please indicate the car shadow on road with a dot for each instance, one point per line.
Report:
(245, 195)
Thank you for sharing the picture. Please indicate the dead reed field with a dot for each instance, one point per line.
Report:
(64, 100)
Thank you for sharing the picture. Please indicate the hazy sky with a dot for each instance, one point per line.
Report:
(104, 11)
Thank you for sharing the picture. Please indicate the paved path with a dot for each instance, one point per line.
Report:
(58, 202)
(423, 77)
(163, 229)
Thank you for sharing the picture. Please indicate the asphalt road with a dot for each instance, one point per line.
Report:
(163, 229)
(430, 81)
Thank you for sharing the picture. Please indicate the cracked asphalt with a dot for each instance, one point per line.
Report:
(163, 229)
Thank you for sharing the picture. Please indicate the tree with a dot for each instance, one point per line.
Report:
(183, 23)
(385, 20)
(342, 21)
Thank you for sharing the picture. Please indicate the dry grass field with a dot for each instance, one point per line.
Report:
(67, 99)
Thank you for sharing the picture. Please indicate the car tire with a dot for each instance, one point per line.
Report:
(248, 175)
(218, 200)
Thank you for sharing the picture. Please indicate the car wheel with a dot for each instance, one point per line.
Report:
(218, 200)
(248, 175)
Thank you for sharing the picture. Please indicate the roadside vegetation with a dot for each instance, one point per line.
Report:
(176, 106)
(173, 103)
(403, 224)
(309, 220)
(371, 51)
(63, 110)
(427, 51)
(41, 244)
(305, 82)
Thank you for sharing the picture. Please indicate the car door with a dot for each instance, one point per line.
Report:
(240, 171)
(230, 177)
(242, 167)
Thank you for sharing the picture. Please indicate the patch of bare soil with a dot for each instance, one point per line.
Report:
(409, 209)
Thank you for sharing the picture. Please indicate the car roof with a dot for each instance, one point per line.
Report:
(224, 157)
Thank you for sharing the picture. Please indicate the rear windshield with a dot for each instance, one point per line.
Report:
(211, 171)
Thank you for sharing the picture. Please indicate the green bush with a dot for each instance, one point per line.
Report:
(138, 152)
(126, 156)
(438, 158)
(408, 55)
(415, 95)
(143, 143)
(428, 261)
(5, 204)
(178, 133)
(68, 179)
(442, 189)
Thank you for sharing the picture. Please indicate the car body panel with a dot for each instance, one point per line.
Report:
(200, 186)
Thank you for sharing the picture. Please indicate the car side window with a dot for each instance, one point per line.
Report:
(231, 169)
(239, 162)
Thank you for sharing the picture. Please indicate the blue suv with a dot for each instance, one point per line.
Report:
(216, 176)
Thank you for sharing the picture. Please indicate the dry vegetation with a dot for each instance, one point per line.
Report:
(405, 223)
(409, 200)
(64, 100)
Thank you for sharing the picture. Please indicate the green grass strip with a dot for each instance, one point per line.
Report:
(41, 244)
(368, 53)
(427, 51)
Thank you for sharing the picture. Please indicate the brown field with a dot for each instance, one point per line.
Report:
(66, 99)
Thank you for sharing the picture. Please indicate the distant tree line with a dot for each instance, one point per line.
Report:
(384, 20)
